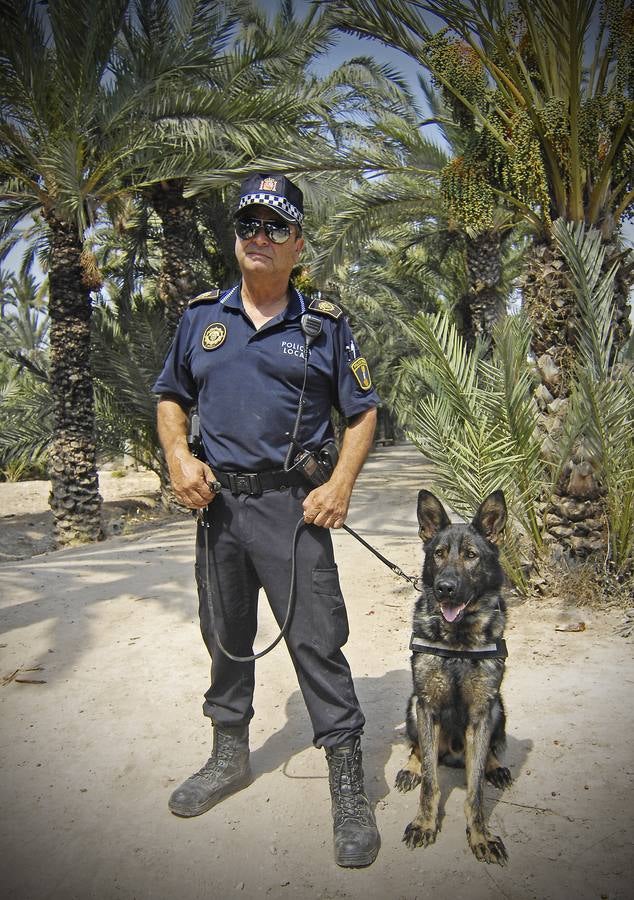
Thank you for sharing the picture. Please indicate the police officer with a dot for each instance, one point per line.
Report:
(240, 356)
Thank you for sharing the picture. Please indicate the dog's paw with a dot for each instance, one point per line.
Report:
(406, 780)
(417, 835)
(488, 848)
(500, 777)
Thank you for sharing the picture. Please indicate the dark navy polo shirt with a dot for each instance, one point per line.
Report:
(248, 382)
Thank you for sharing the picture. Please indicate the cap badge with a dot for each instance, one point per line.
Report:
(361, 372)
(268, 184)
(213, 336)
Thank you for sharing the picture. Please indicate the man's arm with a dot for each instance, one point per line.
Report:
(190, 477)
(329, 502)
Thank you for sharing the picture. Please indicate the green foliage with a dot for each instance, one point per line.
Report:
(542, 89)
(475, 419)
(25, 408)
(130, 343)
(26, 426)
(601, 411)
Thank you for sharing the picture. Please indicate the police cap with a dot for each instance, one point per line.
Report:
(276, 191)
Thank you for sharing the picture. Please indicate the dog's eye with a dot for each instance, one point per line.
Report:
(471, 554)
(439, 552)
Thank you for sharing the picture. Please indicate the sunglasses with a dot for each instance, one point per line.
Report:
(278, 232)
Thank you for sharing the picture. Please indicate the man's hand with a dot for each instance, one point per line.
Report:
(190, 478)
(327, 505)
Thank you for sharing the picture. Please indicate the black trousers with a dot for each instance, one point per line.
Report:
(249, 540)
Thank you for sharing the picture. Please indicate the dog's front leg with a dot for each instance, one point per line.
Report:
(485, 846)
(423, 829)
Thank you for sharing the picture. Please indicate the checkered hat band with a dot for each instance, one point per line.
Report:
(272, 200)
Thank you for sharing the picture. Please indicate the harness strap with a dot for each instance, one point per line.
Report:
(491, 651)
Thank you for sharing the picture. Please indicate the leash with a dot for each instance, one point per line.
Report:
(204, 524)
(413, 580)
(289, 609)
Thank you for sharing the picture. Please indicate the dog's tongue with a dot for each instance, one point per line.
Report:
(451, 613)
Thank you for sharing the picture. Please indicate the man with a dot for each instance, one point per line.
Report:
(241, 357)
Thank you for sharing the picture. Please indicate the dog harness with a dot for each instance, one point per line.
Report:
(490, 651)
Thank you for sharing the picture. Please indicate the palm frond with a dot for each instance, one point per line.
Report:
(446, 363)
(594, 291)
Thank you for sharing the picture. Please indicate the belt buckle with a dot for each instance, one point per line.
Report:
(255, 487)
(244, 483)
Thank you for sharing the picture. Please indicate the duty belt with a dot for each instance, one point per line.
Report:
(255, 483)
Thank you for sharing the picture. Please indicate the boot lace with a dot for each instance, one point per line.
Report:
(219, 760)
(351, 802)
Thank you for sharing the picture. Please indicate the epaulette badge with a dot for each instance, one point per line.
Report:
(207, 297)
(326, 308)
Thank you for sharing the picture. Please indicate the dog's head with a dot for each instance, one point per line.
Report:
(461, 561)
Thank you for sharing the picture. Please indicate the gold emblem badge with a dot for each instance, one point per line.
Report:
(268, 184)
(361, 372)
(326, 308)
(214, 335)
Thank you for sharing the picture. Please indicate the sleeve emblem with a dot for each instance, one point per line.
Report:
(361, 372)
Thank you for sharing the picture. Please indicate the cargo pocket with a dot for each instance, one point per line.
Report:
(329, 611)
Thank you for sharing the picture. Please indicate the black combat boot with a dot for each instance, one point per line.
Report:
(356, 837)
(226, 771)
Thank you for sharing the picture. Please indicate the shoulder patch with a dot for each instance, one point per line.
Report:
(207, 297)
(326, 308)
(360, 370)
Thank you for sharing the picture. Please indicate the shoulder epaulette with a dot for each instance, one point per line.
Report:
(207, 297)
(326, 308)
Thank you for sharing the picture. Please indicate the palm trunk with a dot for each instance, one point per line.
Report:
(550, 305)
(483, 306)
(74, 499)
(575, 514)
(177, 280)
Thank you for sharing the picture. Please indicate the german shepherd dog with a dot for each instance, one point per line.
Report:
(455, 714)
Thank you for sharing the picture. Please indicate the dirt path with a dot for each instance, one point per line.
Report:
(103, 718)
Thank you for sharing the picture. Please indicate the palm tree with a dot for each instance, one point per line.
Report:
(477, 419)
(399, 190)
(172, 60)
(593, 504)
(219, 87)
(543, 91)
(62, 156)
(81, 129)
(548, 119)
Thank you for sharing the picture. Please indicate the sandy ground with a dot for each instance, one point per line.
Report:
(102, 719)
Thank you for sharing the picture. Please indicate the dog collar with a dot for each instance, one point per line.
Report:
(490, 651)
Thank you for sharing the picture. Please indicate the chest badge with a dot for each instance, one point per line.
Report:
(361, 372)
(213, 336)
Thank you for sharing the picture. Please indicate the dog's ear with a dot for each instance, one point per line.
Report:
(431, 516)
(490, 518)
